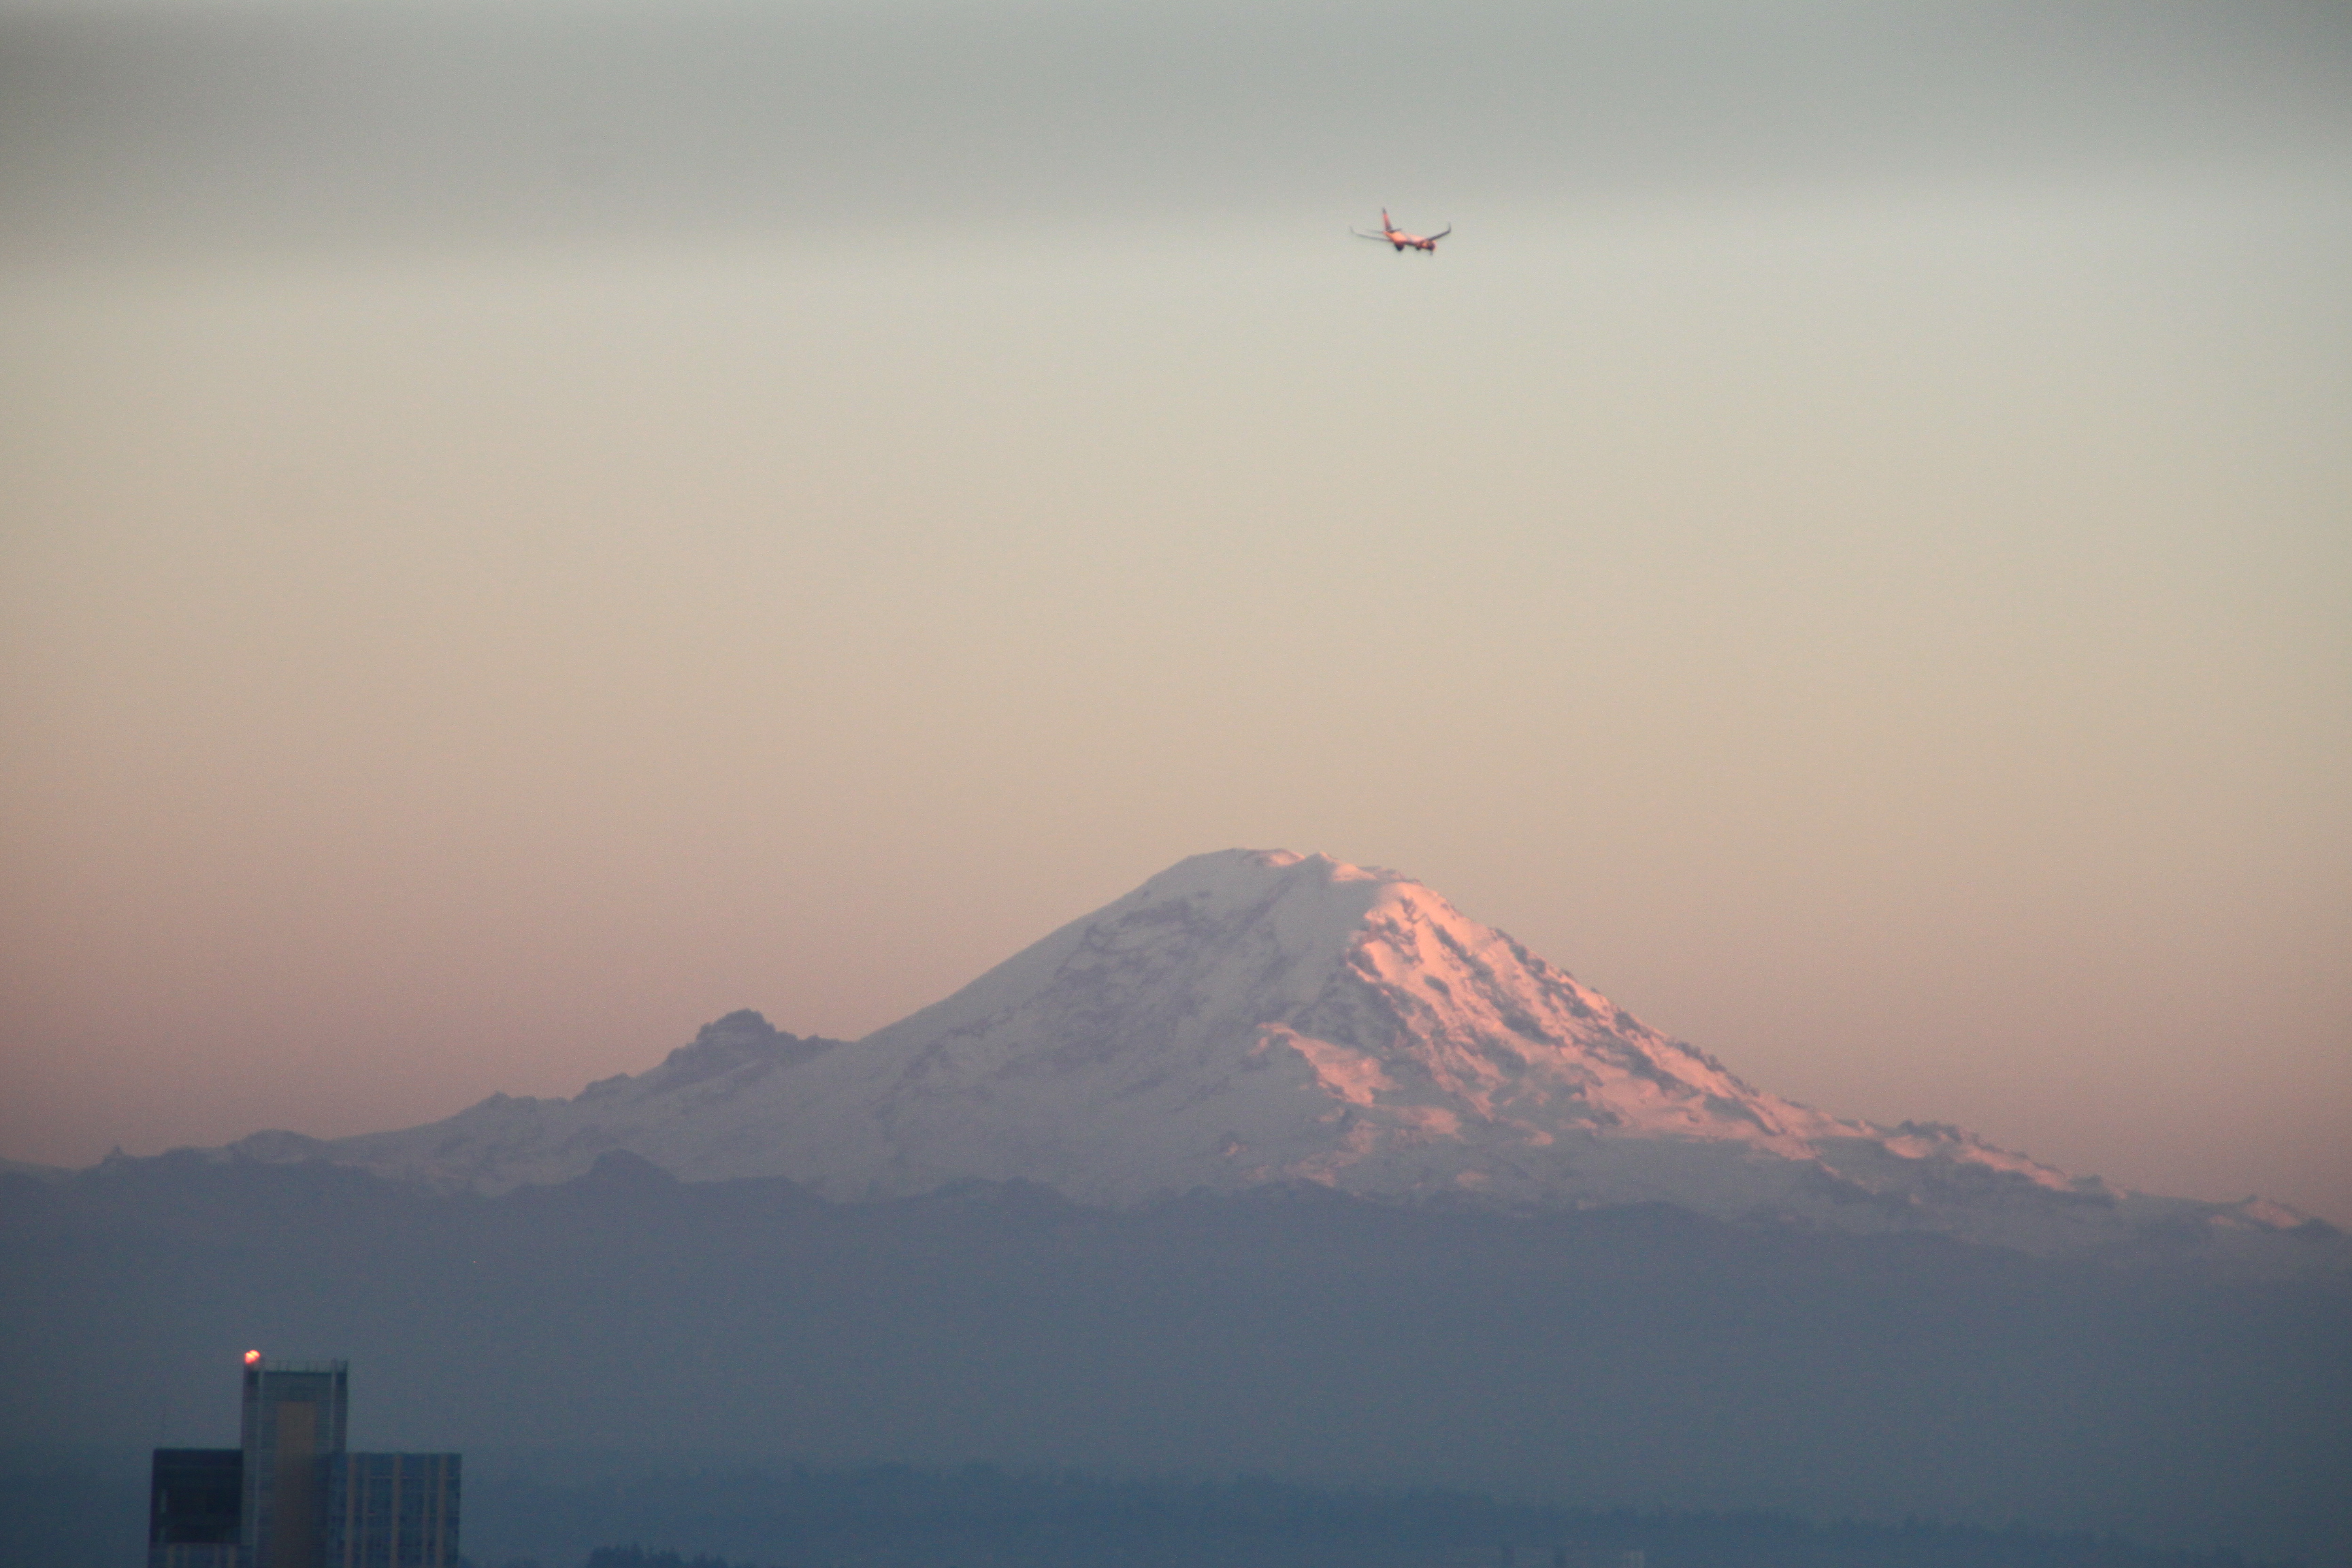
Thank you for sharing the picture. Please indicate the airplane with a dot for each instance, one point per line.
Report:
(1401, 240)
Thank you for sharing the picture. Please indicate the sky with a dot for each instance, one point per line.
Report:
(531, 526)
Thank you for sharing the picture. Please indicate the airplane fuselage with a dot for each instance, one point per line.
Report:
(1403, 241)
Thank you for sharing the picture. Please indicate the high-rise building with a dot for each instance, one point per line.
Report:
(291, 1496)
(294, 1415)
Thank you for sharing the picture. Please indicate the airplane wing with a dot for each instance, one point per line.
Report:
(1442, 232)
(1360, 234)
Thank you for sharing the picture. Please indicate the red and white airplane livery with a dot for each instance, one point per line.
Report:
(1401, 240)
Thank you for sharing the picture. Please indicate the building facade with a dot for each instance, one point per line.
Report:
(392, 1510)
(195, 1499)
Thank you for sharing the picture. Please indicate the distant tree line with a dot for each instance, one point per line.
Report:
(897, 1516)
(633, 1557)
(638, 1557)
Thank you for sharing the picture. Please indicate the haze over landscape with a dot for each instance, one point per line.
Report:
(591, 594)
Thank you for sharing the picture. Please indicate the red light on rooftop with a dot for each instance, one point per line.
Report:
(253, 1358)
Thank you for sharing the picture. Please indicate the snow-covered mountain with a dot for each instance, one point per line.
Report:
(1255, 1016)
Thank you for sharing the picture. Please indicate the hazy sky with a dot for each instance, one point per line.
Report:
(528, 526)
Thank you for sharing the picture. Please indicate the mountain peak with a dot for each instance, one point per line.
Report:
(1256, 1015)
